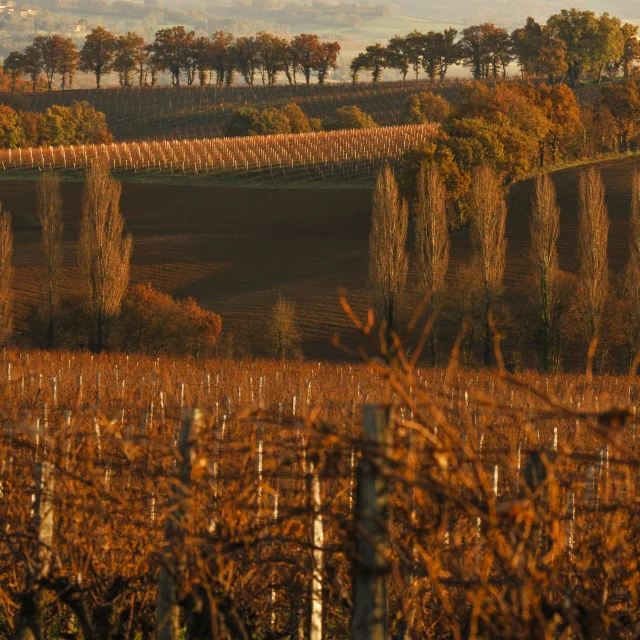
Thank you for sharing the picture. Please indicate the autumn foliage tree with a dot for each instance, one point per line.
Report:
(593, 231)
(129, 56)
(432, 236)
(351, 117)
(78, 123)
(426, 107)
(49, 208)
(6, 275)
(154, 322)
(545, 229)
(104, 252)
(623, 103)
(283, 332)
(98, 53)
(173, 48)
(15, 66)
(388, 262)
(488, 217)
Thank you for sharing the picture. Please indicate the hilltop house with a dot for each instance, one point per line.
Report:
(7, 7)
(27, 12)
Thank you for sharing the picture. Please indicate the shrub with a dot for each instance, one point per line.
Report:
(243, 122)
(75, 324)
(78, 124)
(152, 322)
(11, 131)
(272, 122)
(284, 336)
(351, 118)
(249, 121)
(299, 121)
(426, 107)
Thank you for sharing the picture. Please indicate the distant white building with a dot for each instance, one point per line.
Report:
(27, 12)
(7, 7)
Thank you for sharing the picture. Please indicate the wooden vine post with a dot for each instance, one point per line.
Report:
(30, 623)
(369, 617)
(173, 552)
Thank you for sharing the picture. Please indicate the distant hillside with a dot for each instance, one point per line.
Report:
(510, 13)
(193, 112)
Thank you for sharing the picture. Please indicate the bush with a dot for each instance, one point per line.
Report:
(351, 118)
(244, 122)
(299, 121)
(249, 121)
(283, 333)
(152, 322)
(426, 107)
(78, 124)
(272, 122)
(11, 132)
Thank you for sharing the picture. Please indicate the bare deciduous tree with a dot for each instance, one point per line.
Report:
(49, 206)
(593, 231)
(388, 261)
(489, 214)
(283, 331)
(432, 236)
(545, 229)
(104, 251)
(6, 273)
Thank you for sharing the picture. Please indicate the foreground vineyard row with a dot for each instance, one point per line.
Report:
(344, 151)
(250, 502)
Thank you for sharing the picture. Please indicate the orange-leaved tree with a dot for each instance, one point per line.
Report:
(104, 252)
(152, 321)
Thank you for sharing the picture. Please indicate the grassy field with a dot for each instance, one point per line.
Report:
(236, 249)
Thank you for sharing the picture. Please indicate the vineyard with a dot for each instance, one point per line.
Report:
(195, 112)
(203, 112)
(246, 500)
(343, 153)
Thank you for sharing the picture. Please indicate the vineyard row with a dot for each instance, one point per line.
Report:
(231, 155)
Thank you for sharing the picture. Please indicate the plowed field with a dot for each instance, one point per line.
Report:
(236, 249)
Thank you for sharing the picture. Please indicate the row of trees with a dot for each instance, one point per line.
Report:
(591, 289)
(249, 121)
(182, 54)
(512, 127)
(515, 127)
(107, 312)
(572, 45)
(79, 123)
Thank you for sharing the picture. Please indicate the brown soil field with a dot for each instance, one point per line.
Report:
(236, 249)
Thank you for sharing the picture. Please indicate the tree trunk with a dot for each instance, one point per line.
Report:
(488, 336)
